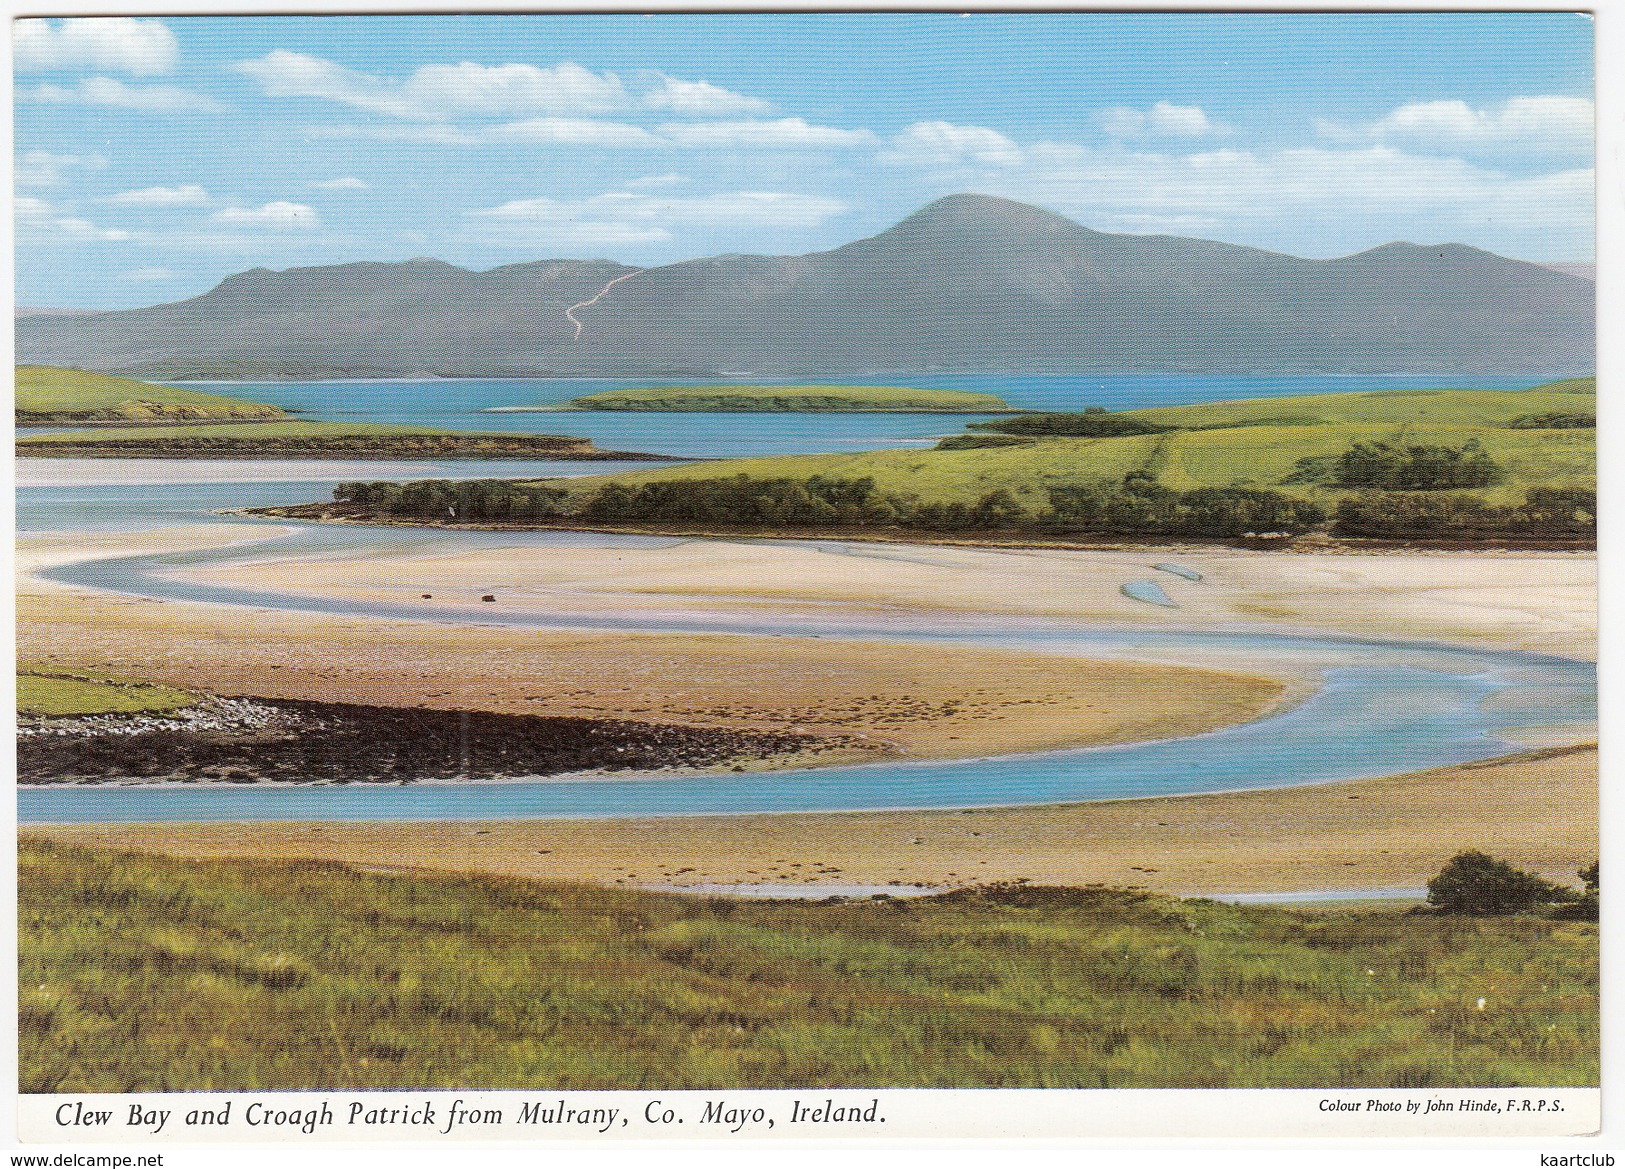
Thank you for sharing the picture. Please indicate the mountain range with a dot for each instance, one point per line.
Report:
(967, 283)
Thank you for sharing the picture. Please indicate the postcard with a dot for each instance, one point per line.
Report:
(802, 576)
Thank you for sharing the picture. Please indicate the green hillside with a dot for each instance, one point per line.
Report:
(150, 974)
(46, 394)
(1419, 408)
(1489, 468)
(790, 399)
(1253, 443)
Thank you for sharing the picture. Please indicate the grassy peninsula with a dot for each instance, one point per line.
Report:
(1253, 443)
(795, 399)
(149, 973)
(43, 694)
(1486, 467)
(308, 440)
(47, 395)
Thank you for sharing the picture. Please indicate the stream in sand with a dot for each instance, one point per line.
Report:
(1382, 707)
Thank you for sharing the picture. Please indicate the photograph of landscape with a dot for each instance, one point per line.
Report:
(806, 551)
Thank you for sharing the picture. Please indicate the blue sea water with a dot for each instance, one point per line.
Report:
(458, 404)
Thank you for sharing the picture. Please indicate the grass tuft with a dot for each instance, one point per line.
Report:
(146, 973)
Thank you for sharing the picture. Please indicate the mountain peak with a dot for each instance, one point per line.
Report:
(969, 211)
(971, 226)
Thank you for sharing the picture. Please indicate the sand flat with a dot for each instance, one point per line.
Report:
(915, 701)
(1541, 601)
(1538, 810)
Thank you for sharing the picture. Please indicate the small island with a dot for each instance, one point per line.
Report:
(49, 396)
(309, 440)
(793, 400)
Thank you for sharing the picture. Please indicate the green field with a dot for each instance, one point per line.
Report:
(47, 394)
(44, 695)
(1414, 408)
(148, 974)
(300, 439)
(808, 399)
(1255, 443)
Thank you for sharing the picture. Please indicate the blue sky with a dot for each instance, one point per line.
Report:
(154, 157)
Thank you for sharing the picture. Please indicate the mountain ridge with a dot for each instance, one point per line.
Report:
(968, 282)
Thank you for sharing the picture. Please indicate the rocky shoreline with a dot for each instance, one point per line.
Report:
(266, 740)
(347, 447)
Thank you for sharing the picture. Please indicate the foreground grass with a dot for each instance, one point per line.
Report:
(142, 973)
(873, 399)
(49, 394)
(42, 695)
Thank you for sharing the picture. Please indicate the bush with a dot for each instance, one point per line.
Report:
(1554, 420)
(1141, 506)
(1414, 468)
(1588, 905)
(1479, 885)
(1091, 423)
(1546, 513)
(974, 442)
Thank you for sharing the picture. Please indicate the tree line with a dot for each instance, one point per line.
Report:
(1546, 513)
(1136, 505)
(1385, 467)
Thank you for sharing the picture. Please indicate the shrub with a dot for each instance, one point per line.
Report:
(1554, 420)
(1414, 468)
(1546, 513)
(1479, 885)
(1091, 423)
(1588, 905)
(1141, 506)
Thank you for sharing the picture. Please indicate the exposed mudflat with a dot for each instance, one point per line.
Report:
(288, 741)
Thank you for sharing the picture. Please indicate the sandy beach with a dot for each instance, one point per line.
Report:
(1510, 600)
(922, 702)
(1538, 811)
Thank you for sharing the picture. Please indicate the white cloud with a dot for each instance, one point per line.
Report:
(785, 132)
(281, 214)
(437, 93)
(37, 219)
(41, 168)
(347, 183)
(83, 229)
(1232, 191)
(570, 132)
(701, 99)
(467, 88)
(790, 133)
(445, 93)
(187, 195)
(1164, 119)
(109, 91)
(532, 132)
(144, 275)
(120, 43)
(1546, 124)
(657, 182)
(757, 208)
(623, 218)
(943, 144)
(432, 135)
